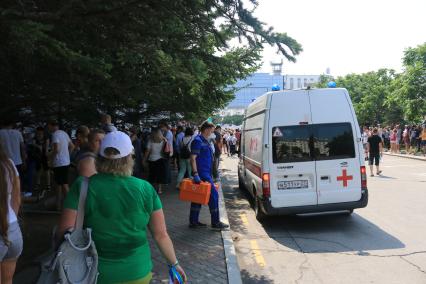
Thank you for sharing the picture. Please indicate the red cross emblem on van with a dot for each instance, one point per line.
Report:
(344, 177)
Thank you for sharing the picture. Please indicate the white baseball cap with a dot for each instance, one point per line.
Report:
(119, 141)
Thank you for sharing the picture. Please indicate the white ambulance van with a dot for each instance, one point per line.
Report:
(301, 152)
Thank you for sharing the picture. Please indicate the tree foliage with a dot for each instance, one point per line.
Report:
(369, 93)
(410, 86)
(236, 119)
(131, 58)
(384, 96)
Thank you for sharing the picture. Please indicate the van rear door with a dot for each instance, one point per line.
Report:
(337, 159)
(292, 171)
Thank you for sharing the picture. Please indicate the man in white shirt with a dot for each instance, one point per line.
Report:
(62, 146)
(225, 143)
(232, 142)
(365, 135)
(13, 145)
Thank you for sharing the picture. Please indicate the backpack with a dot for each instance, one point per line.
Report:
(76, 260)
(184, 151)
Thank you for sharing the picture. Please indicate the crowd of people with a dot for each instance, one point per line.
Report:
(129, 169)
(48, 160)
(412, 138)
(377, 139)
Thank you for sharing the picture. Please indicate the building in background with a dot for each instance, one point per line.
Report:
(232, 111)
(292, 82)
(252, 87)
(257, 84)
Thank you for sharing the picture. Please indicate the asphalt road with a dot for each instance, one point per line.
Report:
(382, 243)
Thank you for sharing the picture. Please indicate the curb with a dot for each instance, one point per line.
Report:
(234, 274)
(406, 156)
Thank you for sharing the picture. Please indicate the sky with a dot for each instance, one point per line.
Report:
(348, 36)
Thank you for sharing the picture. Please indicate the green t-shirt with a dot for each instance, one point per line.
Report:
(118, 210)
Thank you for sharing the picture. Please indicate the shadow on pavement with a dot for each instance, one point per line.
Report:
(37, 234)
(329, 233)
(313, 233)
(384, 177)
(248, 278)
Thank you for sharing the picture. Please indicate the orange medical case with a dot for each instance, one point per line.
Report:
(196, 193)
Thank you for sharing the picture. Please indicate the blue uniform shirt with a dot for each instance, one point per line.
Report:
(201, 147)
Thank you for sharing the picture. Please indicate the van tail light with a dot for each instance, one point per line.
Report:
(266, 190)
(363, 178)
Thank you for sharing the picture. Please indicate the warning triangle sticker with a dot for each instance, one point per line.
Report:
(277, 133)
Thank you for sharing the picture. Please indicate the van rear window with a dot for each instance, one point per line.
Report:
(334, 141)
(291, 144)
(301, 143)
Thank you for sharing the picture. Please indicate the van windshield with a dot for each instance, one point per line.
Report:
(301, 143)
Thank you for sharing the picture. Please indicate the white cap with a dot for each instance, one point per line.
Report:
(119, 141)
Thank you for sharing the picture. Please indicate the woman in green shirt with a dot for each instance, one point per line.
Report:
(119, 208)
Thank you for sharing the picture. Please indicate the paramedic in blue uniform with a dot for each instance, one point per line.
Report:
(202, 162)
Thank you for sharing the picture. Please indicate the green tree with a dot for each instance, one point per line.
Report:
(75, 59)
(369, 93)
(233, 119)
(410, 87)
(385, 96)
(323, 80)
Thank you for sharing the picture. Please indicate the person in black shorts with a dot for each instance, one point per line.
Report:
(61, 175)
(62, 146)
(375, 151)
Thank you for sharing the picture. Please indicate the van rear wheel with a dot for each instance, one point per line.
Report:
(260, 216)
(240, 183)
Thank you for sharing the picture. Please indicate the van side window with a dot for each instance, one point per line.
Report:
(334, 141)
(291, 144)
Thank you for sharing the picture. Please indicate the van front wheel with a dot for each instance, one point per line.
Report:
(260, 216)
(240, 182)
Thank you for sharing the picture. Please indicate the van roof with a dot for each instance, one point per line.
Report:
(259, 104)
(261, 101)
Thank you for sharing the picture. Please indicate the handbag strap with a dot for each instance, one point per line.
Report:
(186, 145)
(82, 203)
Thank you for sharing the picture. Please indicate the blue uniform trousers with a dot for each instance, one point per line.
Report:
(213, 203)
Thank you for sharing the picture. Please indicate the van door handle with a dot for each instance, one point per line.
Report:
(324, 178)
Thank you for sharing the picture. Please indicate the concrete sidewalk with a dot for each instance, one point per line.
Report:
(207, 256)
(408, 156)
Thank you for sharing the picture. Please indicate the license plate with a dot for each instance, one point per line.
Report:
(292, 184)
